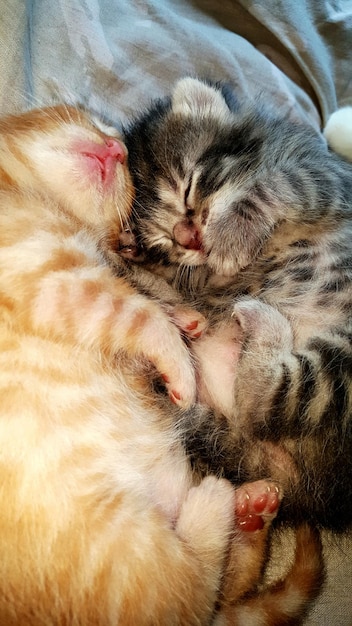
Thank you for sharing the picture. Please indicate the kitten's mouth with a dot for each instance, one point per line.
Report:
(188, 235)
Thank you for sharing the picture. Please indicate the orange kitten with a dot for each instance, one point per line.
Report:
(87, 505)
(102, 521)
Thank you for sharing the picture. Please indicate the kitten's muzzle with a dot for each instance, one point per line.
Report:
(101, 159)
(187, 235)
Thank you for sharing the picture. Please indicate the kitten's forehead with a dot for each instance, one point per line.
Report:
(185, 140)
(55, 120)
(59, 127)
(196, 118)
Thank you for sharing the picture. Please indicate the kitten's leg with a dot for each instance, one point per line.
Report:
(256, 506)
(299, 398)
(217, 353)
(206, 522)
(287, 601)
(91, 307)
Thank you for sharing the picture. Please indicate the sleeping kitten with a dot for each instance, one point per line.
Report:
(250, 217)
(102, 520)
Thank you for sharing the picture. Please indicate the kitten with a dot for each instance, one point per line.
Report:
(250, 217)
(102, 520)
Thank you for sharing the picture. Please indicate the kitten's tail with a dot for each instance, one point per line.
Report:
(338, 132)
(286, 602)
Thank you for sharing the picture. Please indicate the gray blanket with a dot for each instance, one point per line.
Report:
(115, 55)
(118, 54)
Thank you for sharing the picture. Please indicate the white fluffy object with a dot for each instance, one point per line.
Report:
(338, 132)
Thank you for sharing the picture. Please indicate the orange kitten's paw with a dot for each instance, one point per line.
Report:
(206, 518)
(161, 343)
(191, 322)
(177, 372)
(256, 504)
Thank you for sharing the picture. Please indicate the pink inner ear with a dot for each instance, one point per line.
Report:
(188, 235)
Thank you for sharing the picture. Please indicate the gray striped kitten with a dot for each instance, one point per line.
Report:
(250, 217)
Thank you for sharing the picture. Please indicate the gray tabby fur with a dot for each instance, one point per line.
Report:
(249, 217)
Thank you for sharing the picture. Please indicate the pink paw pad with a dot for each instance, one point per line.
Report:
(192, 326)
(256, 503)
(194, 329)
(175, 397)
(191, 322)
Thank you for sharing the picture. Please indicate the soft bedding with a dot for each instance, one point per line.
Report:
(115, 55)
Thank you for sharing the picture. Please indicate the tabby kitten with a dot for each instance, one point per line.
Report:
(102, 520)
(250, 217)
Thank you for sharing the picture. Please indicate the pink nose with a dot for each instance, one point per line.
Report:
(111, 149)
(187, 235)
(115, 149)
(101, 158)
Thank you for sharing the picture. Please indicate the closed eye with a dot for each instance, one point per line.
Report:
(188, 189)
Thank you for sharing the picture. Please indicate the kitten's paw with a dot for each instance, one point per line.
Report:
(162, 344)
(257, 504)
(191, 322)
(252, 314)
(262, 324)
(178, 375)
(127, 246)
(207, 516)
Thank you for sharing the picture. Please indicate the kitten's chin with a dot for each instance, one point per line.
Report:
(222, 268)
(192, 257)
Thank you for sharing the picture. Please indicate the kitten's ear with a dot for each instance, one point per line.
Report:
(192, 97)
(229, 97)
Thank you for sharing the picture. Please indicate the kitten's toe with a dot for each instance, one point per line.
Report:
(180, 386)
(161, 343)
(179, 377)
(257, 504)
(191, 322)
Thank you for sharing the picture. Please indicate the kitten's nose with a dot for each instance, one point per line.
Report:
(111, 149)
(188, 235)
(116, 149)
(101, 158)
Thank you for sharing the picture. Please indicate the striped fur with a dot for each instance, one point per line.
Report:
(282, 603)
(250, 217)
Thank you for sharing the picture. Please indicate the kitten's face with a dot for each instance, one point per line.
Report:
(196, 162)
(73, 158)
(201, 172)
